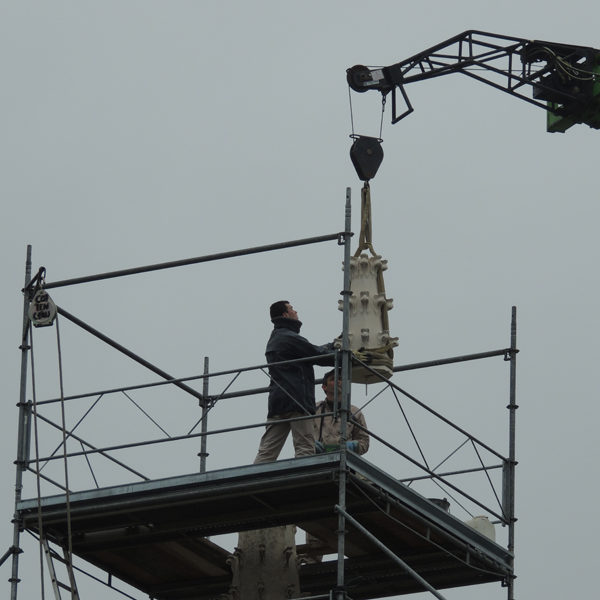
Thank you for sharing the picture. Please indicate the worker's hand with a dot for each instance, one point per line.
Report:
(362, 355)
(319, 448)
(352, 445)
(358, 355)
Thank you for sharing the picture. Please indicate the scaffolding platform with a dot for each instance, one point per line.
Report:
(154, 534)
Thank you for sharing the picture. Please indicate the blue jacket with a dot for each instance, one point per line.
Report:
(292, 387)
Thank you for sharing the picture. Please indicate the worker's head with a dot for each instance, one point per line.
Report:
(283, 308)
(329, 384)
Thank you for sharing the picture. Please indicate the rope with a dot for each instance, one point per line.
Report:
(37, 464)
(69, 556)
(383, 99)
(364, 238)
(351, 110)
(365, 242)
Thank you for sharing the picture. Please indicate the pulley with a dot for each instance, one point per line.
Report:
(366, 155)
(42, 310)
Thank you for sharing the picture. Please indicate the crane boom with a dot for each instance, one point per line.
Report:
(565, 78)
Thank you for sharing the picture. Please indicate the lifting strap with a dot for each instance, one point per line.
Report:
(365, 242)
(379, 358)
(365, 236)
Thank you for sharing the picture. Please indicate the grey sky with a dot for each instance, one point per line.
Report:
(147, 131)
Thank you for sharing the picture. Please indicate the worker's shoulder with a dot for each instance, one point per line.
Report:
(279, 332)
(283, 336)
(356, 412)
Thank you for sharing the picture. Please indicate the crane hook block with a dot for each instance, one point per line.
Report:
(366, 155)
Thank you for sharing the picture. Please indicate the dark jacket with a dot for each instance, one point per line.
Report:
(292, 387)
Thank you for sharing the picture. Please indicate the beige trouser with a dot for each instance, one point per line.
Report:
(276, 433)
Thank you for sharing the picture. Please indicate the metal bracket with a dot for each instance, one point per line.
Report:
(341, 238)
(409, 108)
(10, 552)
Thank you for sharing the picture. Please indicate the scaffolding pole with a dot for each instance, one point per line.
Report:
(190, 261)
(343, 363)
(126, 352)
(23, 437)
(393, 556)
(204, 404)
(345, 404)
(512, 408)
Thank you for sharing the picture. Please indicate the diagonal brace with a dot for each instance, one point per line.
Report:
(385, 549)
(129, 353)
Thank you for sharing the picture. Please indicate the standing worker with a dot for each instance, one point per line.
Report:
(292, 387)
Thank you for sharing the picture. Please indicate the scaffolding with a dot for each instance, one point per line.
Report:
(154, 533)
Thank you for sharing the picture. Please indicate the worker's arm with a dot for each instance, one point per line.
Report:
(300, 347)
(358, 435)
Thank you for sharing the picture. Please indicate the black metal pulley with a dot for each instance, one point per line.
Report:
(359, 77)
(366, 155)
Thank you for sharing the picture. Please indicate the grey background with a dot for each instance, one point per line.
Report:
(142, 132)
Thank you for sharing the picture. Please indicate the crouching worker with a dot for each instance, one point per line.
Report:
(327, 432)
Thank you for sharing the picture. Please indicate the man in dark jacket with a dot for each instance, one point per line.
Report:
(292, 387)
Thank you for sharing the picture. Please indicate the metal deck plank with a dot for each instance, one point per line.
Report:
(152, 534)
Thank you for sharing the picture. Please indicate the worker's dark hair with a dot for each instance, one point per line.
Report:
(278, 308)
(330, 375)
